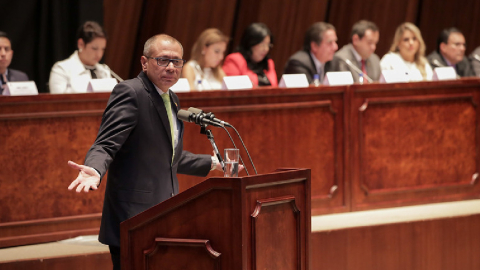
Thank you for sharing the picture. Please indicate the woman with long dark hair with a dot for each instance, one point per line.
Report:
(252, 58)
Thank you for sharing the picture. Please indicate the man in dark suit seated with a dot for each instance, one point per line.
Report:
(140, 143)
(6, 54)
(451, 52)
(319, 46)
(358, 56)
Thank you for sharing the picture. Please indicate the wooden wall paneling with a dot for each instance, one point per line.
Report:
(387, 15)
(34, 231)
(397, 161)
(450, 243)
(39, 135)
(290, 128)
(21, 106)
(437, 15)
(76, 262)
(287, 19)
(184, 20)
(197, 16)
(121, 21)
(53, 140)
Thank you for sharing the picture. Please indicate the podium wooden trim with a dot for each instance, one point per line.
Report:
(252, 222)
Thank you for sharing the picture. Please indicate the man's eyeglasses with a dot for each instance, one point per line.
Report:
(164, 62)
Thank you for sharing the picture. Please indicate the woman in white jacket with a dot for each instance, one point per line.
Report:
(73, 74)
(407, 54)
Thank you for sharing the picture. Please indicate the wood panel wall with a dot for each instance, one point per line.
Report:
(131, 23)
(450, 243)
(368, 146)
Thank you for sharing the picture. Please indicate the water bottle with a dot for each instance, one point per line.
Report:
(316, 80)
(360, 78)
(199, 85)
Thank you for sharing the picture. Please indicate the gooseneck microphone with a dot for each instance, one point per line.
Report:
(350, 64)
(437, 63)
(476, 57)
(210, 116)
(197, 118)
(115, 75)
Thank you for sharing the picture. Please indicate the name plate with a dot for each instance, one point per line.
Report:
(338, 78)
(182, 85)
(101, 85)
(293, 81)
(27, 88)
(444, 73)
(415, 75)
(236, 82)
(394, 76)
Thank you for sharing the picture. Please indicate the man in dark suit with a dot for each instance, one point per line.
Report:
(319, 46)
(360, 53)
(140, 143)
(451, 52)
(6, 55)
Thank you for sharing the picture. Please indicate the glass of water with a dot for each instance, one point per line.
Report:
(231, 162)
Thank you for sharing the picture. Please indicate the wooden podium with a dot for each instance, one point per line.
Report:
(253, 222)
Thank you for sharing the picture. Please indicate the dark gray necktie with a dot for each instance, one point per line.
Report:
(92, 72)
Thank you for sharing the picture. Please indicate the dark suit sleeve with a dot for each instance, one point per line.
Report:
(296, 67)
(119, 118)
(194, 164)
(17, 76)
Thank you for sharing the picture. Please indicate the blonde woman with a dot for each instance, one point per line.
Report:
(204, 70)
(407, 54)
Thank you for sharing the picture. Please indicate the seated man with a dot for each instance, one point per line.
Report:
(319, 46)
(358, 56)
(451, 52)
(6, 54)
(475, 60)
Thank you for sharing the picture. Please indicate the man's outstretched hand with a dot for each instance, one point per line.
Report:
(87, 178)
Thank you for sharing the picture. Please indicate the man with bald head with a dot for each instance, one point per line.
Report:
(140, 143)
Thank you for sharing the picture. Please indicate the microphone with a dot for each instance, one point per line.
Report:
(350, 64)
(115, 75)
(476, 57)
(437, 63)
(197, 118)
(210, 116)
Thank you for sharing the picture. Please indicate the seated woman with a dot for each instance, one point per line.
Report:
(407, 54)
(252, 58)
(73, 74)
(204, 70)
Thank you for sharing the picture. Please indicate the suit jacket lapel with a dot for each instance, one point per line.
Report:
(157, 103)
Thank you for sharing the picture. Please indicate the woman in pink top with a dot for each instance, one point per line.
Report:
(252, 58)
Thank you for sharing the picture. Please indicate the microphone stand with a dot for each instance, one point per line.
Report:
(204, 130)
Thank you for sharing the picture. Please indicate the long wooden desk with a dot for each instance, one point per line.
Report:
(369, 146)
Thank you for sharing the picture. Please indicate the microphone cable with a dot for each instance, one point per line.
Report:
(241, 160)
(251, 161)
